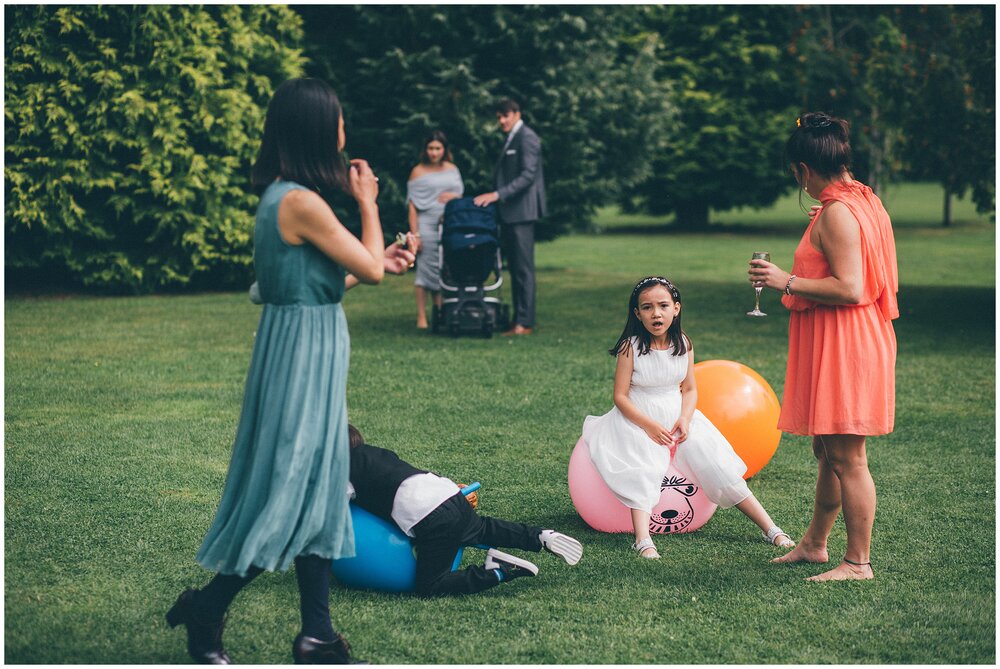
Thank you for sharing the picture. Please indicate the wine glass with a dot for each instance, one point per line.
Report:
(758, 255)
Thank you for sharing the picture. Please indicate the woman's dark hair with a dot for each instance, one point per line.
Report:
(354, 436)
(635, 328)
(822, 142)
(436, 136)
(300, 138)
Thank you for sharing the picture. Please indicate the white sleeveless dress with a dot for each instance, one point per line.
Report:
(633, 465)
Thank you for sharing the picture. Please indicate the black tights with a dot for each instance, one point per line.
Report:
(313, 575)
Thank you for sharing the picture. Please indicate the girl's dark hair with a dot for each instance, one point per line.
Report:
(300, 138)
(635, 328)
(822, 142)
(436, 136)
(354, 436)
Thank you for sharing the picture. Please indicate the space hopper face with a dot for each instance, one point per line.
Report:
(674, 513)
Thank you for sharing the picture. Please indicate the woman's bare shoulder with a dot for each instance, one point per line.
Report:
(305, 209)
(418, 171)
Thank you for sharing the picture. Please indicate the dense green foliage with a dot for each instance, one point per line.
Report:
(735, 102)
(130, 130)
(917, 83)
(950, 128)
(129, 135)
(584, 76)
(118, 431)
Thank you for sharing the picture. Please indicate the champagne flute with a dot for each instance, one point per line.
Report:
(758, 255)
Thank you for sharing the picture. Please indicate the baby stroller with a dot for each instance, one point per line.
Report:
(470, 254)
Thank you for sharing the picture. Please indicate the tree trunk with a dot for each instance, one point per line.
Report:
(876, 154)
(692, 215)
(946, 222)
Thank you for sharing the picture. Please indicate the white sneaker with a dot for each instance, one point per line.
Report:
(511, 567)
(568, 548)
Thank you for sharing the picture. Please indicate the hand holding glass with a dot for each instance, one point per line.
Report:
(758, 255)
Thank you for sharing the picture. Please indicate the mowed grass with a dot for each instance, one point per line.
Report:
(120, 413)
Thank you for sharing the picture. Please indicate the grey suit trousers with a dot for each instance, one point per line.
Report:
(517, 242)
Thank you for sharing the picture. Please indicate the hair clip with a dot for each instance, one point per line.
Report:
(814, 122)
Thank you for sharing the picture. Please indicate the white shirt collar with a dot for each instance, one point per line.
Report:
(513, 131)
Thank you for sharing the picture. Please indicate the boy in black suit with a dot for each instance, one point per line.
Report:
(430, 509)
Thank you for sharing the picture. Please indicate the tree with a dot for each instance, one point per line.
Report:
(850, 64)
(917, 84)
(950, 125)
(583, 75)
(735, 109)
(130, 131)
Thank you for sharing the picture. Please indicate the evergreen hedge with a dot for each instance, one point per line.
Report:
(130, 131)
(584, 76)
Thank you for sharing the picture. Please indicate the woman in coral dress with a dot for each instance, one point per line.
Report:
(840, 380)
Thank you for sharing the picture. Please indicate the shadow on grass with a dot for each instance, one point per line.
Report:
(669, 229)
(747, 229)
(943, 317)
(947, 317)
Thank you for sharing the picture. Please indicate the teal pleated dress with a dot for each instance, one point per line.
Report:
(286, 490)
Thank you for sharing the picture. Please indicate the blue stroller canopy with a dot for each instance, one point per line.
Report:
(467, 226)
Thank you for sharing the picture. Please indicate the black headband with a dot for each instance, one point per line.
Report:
(657, 279)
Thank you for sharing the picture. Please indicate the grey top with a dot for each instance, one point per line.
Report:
(423, 192)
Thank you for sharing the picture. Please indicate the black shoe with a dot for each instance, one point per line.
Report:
(204, 639)
(307, 650)
(511, 567)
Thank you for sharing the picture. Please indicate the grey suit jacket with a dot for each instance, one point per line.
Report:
(519, 179)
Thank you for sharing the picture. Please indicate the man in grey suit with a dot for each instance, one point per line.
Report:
(520, 198)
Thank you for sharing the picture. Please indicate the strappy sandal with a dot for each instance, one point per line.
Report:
(774, 536)
(643, 546)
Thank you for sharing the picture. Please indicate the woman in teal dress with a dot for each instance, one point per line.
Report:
(285, 497)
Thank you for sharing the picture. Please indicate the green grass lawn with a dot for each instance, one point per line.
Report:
(120, 412)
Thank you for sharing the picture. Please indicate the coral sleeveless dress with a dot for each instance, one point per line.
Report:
(286, 490)
(841, 375)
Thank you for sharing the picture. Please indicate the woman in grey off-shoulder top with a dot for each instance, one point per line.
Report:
(433, 182)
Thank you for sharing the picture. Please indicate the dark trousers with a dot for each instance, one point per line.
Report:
(455, 524)
(517, 241)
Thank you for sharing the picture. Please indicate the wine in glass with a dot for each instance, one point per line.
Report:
(758, 255)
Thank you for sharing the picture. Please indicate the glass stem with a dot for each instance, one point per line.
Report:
(757, 290)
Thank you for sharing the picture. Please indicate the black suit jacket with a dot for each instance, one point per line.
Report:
(376, 474)
(520, 180)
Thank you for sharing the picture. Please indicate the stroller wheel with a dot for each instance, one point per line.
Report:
(487, 329)
(504, 320)
(437, 320)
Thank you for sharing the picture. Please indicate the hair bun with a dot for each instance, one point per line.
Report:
(815, 120)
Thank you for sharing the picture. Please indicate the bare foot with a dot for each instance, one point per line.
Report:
(421, 325)
(803, 553)
(845, 572)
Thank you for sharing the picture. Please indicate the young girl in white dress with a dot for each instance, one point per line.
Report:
(655, 419)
